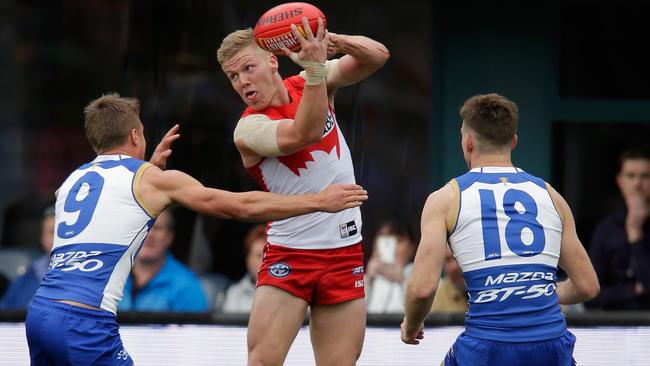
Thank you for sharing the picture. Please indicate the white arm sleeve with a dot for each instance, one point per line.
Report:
(260, 133)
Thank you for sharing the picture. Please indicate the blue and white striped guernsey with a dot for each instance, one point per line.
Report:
(506, 239)
(99, 228)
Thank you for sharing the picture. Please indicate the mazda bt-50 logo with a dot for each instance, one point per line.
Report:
(279, 270)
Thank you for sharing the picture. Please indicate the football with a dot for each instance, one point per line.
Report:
(273, 29)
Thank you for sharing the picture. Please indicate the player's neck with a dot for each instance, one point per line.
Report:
(282, 96)
(116, 151)
(490, 160)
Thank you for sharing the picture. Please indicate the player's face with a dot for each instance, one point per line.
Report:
(158, 241)
(251, 72)
(634, 178)
(254, 257)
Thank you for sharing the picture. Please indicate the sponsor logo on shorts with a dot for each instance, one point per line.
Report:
(279, 270)
(358, 283)
(357, 270)
(122, 355)
(348, 229)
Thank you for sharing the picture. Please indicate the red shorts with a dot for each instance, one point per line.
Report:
(318, 276)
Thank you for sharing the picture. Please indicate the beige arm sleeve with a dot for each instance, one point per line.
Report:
(260, 134)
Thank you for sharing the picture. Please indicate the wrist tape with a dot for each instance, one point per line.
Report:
(315, 71)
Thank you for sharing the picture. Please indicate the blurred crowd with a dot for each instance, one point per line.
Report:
(164, 54)
(619, 249)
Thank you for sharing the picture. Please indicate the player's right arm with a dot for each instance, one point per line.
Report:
(157, 189)
(582, 283)
(258, 136)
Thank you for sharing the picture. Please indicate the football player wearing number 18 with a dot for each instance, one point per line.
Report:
(103, 213)
(508, 230)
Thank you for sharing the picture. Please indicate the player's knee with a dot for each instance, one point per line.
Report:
(254, 361)
(258, 358)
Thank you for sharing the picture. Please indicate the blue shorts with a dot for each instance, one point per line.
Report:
(62, 334)
(481, 352)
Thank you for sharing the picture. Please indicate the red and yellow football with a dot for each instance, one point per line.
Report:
(273, 30)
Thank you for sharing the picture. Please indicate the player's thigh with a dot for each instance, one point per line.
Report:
(37, 351)
(275, 319)
(337, 332)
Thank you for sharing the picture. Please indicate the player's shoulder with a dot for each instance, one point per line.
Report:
(152, 175)
(560, 204)
(441, 199)
(252, 118)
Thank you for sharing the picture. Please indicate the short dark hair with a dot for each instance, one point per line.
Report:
(493, 117)
(633, 154)
(109, 120)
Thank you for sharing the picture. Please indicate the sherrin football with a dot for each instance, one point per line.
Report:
(273, 29)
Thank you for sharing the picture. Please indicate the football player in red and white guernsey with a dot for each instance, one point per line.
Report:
(289, 140)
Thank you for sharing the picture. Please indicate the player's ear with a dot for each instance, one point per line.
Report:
(273, 61)
(513, 144)
(134, 137)
(468, 142)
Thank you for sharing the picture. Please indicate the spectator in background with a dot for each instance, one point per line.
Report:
(389, 267)
(451, 296)
(239, 297)
(158, 281)
(620, 247)
(22, 288)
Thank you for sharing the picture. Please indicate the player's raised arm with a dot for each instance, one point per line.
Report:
(362, 57)
(582, 284)
(430, 256)
(309, 123)
(160, 188)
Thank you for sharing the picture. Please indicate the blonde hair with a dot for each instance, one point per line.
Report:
(109, 120)
(233, 43)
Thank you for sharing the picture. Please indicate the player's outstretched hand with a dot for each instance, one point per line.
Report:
(313, 47)
(338, 197)
(163, 150)
(412, 337)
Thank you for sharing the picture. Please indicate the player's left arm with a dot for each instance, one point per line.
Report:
(362, 57)
(429, 259)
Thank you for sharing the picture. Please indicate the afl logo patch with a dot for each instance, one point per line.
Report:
(279, 270)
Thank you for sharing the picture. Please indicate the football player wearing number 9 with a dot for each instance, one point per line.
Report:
(508, 230)
(103, 213)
